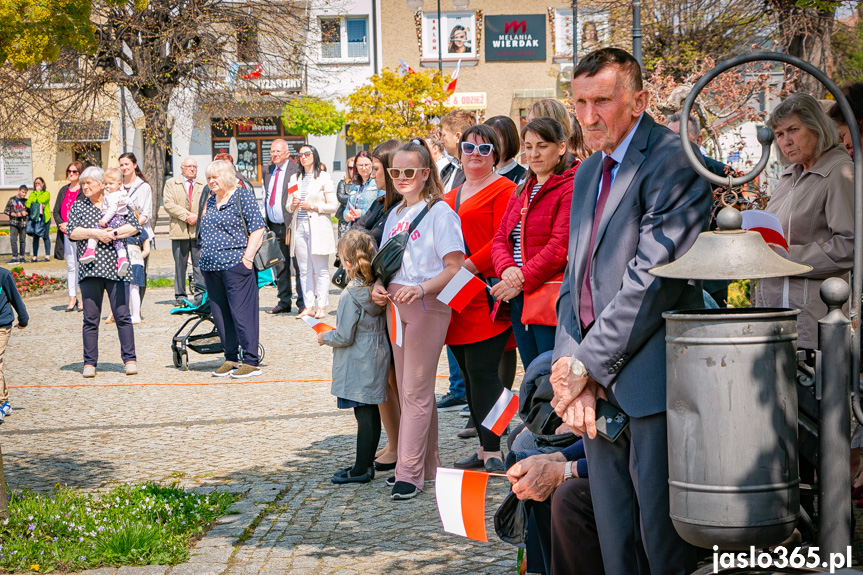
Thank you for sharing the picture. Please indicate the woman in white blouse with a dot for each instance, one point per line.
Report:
(312, 202)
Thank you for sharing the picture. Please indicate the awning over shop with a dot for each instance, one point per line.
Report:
(93, 131)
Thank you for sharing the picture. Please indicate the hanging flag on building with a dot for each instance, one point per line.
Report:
(317, 325)
(460, 499)
(404, 69)
(461, 289)
(501, 413)
(450, 88)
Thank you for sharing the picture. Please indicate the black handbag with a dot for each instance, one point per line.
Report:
(269, 254)
(510, 521)
(388, 260)
(340, 278)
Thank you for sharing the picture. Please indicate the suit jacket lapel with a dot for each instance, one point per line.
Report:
(625, 174)
(583, 206)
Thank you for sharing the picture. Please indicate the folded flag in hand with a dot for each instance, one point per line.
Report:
(317, 324)
(461, 502)
(461, 289)
(397, 331)
(767, 224)
(501, 413)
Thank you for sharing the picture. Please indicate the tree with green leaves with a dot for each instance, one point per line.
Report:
(221, 58)
(392, 105)
(308, 115)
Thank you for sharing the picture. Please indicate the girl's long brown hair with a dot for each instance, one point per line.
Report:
(384, 154)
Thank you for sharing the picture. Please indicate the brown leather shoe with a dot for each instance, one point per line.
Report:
(278, 309)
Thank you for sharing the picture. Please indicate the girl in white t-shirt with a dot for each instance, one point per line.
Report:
(433, 255)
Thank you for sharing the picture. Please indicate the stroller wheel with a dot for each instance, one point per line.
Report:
(175, 356)
(260, 352)
(184, 361)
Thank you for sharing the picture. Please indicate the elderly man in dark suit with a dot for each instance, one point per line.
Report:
(637, 204)
(276, 179)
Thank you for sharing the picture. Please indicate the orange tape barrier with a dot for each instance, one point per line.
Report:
(232, 382)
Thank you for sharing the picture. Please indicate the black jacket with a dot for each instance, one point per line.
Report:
(58, 202)
(10, 298)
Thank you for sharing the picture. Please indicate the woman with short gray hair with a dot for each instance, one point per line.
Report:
(814, 201)
(100, 275)
(230, 232)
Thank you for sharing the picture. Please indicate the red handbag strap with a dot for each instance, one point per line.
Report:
(523, 221)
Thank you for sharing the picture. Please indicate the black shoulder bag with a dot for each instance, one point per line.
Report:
(388, 260)
(269, 254)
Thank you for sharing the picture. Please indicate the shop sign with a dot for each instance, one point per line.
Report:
(467, 101)
(513, 38)
(16, 164)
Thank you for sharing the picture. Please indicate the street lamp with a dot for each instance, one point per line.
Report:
(417, 5)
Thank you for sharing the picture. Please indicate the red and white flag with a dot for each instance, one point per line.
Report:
(404, 69)
(461, 289)
(317, 325)
(502, 413)
(397, 332)
(461, 502)
(766, 224)
(294, 188)
(450, 88)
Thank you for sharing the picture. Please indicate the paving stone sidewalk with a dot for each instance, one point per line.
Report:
(276, 438)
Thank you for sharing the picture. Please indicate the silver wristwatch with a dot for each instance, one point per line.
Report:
(577, 368)
(567, 470)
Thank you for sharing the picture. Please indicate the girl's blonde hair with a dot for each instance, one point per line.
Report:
(113, 175)
(358, 248)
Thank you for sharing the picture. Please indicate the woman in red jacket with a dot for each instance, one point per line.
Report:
(476, 341)
(526, 259)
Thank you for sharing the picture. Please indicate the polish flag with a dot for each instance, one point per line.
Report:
(294, 188)
(461, 289)
(317, 325)
(397, 332)
(404, 68)
(766, 224)
(501, 413)
(450, 88)
(461, 502)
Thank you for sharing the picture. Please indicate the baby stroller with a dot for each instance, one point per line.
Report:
(208, 342)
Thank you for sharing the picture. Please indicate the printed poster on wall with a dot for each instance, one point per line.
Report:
(514, 38)
(16, 164)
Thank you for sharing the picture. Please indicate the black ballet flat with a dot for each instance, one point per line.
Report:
(348, 478)
(384, 466)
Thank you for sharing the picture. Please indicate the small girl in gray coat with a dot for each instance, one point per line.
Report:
(361, 353)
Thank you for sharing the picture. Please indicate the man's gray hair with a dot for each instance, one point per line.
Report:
(93, 173)
(675, 119)
(809, 112)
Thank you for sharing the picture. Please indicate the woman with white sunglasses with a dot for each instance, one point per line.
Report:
(476, 340)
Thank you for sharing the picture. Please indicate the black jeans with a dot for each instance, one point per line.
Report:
(18, 239)
(574, 539)
(233, 297)
(92, 291)
(479, 364)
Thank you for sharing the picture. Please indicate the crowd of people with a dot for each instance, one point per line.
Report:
(561, 219)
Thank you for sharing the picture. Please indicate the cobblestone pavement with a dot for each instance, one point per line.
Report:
(277, 438)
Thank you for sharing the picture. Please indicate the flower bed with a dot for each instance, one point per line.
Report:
(34, 284)
(144, 524)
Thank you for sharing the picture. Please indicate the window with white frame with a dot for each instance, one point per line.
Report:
(457, 33)
(344, 38)
(592, 31)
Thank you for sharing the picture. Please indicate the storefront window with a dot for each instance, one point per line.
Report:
(249, 141)
(89, 154)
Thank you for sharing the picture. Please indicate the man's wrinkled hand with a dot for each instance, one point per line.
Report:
(565, 384)
(536, 477)
(580, 415)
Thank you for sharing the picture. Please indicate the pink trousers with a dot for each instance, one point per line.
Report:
(416, 369)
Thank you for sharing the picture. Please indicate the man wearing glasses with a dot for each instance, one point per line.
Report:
(276, 179)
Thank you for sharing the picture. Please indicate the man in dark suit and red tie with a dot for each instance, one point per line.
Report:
(276, 179)
(637, 204)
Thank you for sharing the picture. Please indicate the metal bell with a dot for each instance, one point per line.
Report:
(729, 254)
